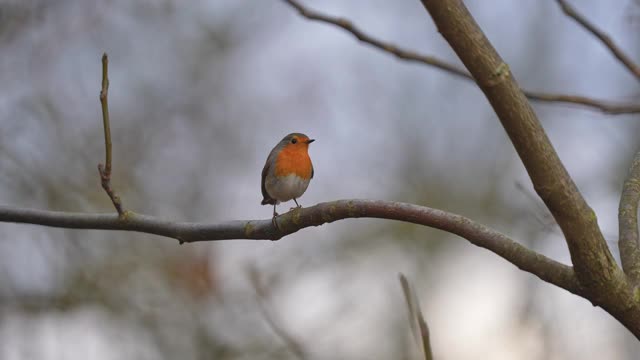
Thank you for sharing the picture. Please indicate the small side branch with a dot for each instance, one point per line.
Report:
(105, 170)
(628, 223)
(408, 55)
(604, 38)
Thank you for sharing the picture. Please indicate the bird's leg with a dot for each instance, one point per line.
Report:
(298, 206)
(275, 215)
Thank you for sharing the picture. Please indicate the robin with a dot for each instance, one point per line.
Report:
(287, 172)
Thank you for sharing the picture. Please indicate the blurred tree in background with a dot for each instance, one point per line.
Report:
(201, 92)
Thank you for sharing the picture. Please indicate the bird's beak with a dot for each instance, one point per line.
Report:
(310, 141)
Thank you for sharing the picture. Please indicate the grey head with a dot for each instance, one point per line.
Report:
(293, 138)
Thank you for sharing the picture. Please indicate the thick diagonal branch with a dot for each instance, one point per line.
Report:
(593, 263)
(546, 269)
(605, 284)
(602, 36)
(409, 55)
(628, 222)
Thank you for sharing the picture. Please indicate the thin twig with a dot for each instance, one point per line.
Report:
(399, 52)
(262, 294)
(528, 260)
(415, 315)
(604, 38)
(628, 223)
(105, 170)
(408, 55)
(105, 111)
(602, 105)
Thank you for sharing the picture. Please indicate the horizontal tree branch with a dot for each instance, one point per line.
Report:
(409, 55)
(545, 268)
(602, 36)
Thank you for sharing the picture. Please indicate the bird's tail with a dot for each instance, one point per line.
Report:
(268, 201)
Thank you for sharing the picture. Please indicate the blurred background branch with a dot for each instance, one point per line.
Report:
(262, 299)
(409, 55)
(419, 326)
(602, 36)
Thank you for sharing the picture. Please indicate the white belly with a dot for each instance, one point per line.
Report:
(287, 188)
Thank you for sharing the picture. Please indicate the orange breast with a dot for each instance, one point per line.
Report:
(293, 160)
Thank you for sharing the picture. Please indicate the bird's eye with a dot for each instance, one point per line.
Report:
(294, 140)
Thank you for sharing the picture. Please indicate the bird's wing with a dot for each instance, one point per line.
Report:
(265, 170)
(265, 195)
